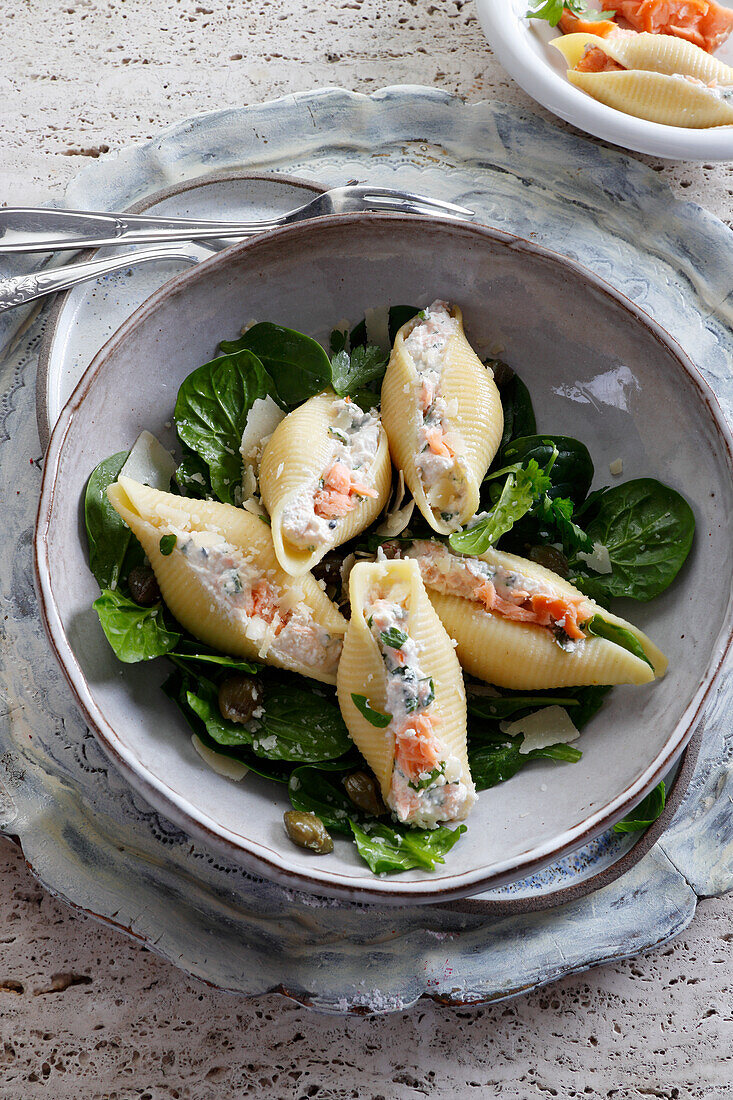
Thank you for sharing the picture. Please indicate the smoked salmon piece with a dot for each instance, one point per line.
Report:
(573, 24)
(705, 23)
(594, 60)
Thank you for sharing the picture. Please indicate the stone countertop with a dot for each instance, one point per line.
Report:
(85, 1013)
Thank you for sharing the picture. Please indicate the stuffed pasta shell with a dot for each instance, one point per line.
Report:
(651, 76)
(218, 574)
(325, 475)
(518, 625)
(442, 413)
(400, 665)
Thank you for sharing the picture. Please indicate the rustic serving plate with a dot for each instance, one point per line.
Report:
(523, 47)
(598, 368)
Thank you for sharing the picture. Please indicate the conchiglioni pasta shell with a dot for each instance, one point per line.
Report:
(525, 656)
(296, 456)
(659, 53)
(150, 514)
(362, 671)
(478, 423)
(658, 98)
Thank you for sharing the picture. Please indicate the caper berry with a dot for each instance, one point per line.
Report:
(363, 791)
(307, 831)
(239, 697)
(551, 559)
(143, 586)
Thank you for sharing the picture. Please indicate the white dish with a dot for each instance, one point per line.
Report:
(522, 47)
(304, 277)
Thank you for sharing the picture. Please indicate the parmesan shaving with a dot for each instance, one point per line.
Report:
(222, 765)
(150, 463)
(549, 726)
(377, 327)
(262, 419)
(397, 517)
(599, 559)
(616, 467)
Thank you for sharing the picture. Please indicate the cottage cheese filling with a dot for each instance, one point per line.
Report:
(312, 515)
(503, 591)
(278, 622)
(440, 467)
(426, 786)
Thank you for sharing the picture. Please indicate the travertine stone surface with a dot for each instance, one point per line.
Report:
(81, 77)
(85, 1013)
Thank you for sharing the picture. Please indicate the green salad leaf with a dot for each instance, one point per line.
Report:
(570, 471)
(645, 814)
(524, 485)
(135, 633)
(390, 848)
(297, 364)
(647, 529)
(375, 717)
(211, 412)
(552, 10)
(108, 536)
(194, 651)
(619, 635)
(351, 372)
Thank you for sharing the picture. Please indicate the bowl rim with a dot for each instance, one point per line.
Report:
(142, 206)
(260, 858)
(553, 91)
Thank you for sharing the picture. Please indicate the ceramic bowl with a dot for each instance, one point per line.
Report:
(598, 368)
(522, 47)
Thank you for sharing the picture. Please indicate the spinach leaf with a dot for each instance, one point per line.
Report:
(135, 633)
(350, 373)
(196, 651)
(523, 487)
(176, 687)
(648, 530)
(297, 364)
(299, 725)
(374, 717)
(211, 412)
(500, 707)
(619, 635)
(193, 477)
(107, 534)
(396, 848)
(495, 763)
(590, 700)
(204, 702)
(318, 789)
(571, 473)
(645, 814)
(519, 418)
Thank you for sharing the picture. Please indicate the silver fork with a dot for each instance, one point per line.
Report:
(34, 229)
(29, 229)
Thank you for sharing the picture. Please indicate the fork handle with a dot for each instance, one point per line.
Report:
(36, 229)
(20, 289)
